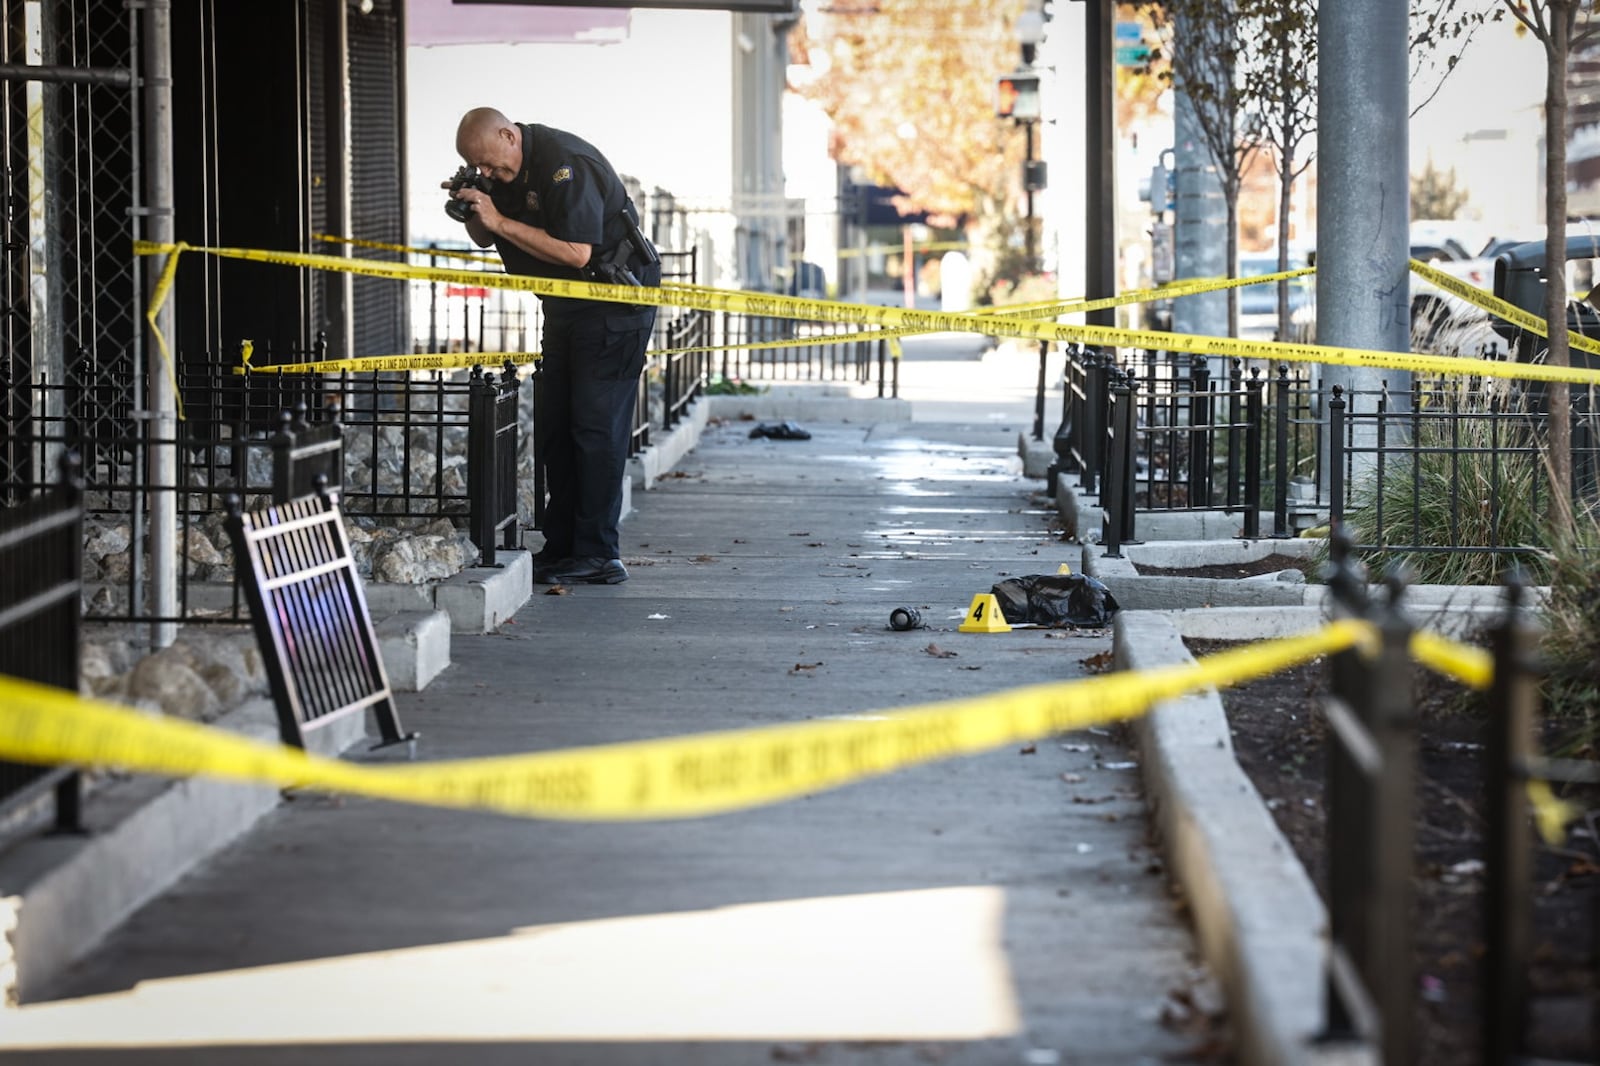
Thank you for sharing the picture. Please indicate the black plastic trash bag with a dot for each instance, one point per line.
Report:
(1072, 600)
(780, 431)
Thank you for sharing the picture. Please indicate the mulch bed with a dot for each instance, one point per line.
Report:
(1279, 737)
(1253, 568)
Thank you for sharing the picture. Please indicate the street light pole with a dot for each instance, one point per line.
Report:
(1099, 158)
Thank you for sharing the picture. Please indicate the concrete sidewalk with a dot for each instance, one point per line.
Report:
(1005, 908)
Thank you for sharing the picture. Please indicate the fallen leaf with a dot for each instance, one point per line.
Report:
(972, 668)
(558, 590)
(1098, 664)
(704, 559)
(938, 652)
(803, 667)
(1030, 749)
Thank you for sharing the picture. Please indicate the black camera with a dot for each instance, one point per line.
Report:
(465, 178)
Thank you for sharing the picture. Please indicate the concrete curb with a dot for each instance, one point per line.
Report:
(1257, 915)
(415, 647)
(61, 894)
(666, 448)
(1037, 455)
(480, 598)
(1260, 923)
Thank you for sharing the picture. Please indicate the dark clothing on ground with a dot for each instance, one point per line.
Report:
(593, 352)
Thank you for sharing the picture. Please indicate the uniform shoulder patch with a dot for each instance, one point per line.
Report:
(563, 173)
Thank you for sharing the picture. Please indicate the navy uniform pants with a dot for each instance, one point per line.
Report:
(583, 419)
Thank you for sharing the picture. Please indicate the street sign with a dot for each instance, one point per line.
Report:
(1128, 33)
(1133, 55)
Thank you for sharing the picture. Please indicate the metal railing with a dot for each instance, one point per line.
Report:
(1452, 469)
(492, 461)
(1371, 793)
(685, 371)
(1372, 787)
(861, 360)
(310, 617)
(41, 554)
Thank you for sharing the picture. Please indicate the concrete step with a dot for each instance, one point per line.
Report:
(415, 647)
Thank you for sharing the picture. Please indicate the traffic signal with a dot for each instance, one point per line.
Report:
(1017, 96)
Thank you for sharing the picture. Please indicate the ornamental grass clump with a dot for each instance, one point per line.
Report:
(1473, 478)
(1571, 645)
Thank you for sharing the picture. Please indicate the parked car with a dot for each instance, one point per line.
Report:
(1438, 318)
(1258, 304)
(1519, 278)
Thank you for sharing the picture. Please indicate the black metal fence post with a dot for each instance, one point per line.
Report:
(1111, 536)
(1371, 794)
(1235, 413)
(1336, 408)
(482, 486)
(1508, 884)
(1199, 437)
(1038, 397)
(535, 383)
(1252, 457)
(1096, 398)
(1062, 441)
(1280, 465)
(1120, 477)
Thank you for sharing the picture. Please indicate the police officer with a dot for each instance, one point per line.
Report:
(555, 208)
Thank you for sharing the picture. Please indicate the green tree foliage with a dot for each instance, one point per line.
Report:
(1435, 193)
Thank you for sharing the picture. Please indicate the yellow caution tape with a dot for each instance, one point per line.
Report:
(676, 777)
(1471, 666)
(442, 253)
(1498, 307)
(158, 297)
(1474, 667)
(891, 249)
(774, 305)
(490, 361)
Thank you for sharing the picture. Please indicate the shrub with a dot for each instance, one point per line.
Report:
(1473, 485)
(1571, 616)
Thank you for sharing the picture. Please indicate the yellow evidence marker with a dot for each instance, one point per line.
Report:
(1064, 568)
(984, 616)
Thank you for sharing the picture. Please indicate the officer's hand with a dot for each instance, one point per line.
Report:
(482, 207)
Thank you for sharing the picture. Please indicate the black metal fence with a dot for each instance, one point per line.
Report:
(686, 366)
(810, 356)
(1372, 786)
(40, 557)
(1454, 468)
(1451, 465)
(492, 461)
(1371, 794)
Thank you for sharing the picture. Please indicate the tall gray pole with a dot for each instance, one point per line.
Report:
(1200, 223)
(158, 200)
(1363, 186)
(1100, 178)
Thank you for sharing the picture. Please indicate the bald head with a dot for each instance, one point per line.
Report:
(490, 143)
